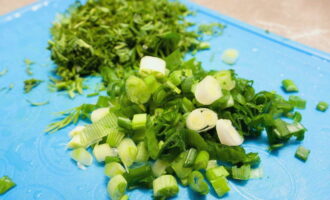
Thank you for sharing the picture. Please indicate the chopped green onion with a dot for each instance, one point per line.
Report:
(76, 131)
(302, 153)
(297, 102)
(37, 103)
(230, 56)
(211, 164)
(82, 156)
(187, 105)
(115, 137)
(127, 151)
(201, 119)
(190, 158)
(125, 123)
(159, 167)
(224, 77)
(113, 168)
(289, 86)
(177, 165)
(241, 173)
(137, 91)
(322, 106)
(102, 151)
(125, 197)
(204, 45)
(216, 172)
(110, 159)
(220, 186)
(99, 114)
(152, 65)
(93, 94)
(173, 87)
(227, 133)
(139, 121)
(297, 130)
(165, 186)
(117, 187)
(197, 183)
(281, 129)
(152, 83)
(6, 184)
(208, 91)
(176, 77)
(201, 160)
(142, 154)
(139, 175)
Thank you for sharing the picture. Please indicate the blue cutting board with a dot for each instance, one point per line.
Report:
(40, 163)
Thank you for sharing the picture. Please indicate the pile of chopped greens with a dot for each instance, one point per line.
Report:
(114, 35)
(164, 119)
(158, 126)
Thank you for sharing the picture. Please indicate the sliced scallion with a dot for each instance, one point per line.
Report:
(117, 187)
(197, 183)
(127, 151)
(99, 114)
(289, 86)
(142, 154)
(302, 153)
(297, 102)
(216, 172)
(139, 121)
(82, 156)
(201, 160)
(115, 137)
(230, 56)
(165, 186)
(6, 184)
(159, 167)
(241, 173)
(322, 106)
(220, 186)
(190, 158)
(113, 168)
(102, 151)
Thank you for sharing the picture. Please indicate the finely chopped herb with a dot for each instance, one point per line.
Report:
(6, 184)
(113, 35)
(30, 84)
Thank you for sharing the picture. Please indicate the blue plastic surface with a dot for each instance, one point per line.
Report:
(40, 163)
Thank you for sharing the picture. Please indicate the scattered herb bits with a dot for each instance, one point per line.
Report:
(322, 106)
(6, 184)
(297, 102)
(230, 56)
(289, 86)
(30, 84)
(302, 153)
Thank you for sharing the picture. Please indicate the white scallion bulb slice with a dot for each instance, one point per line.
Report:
(201, 119)
(208, 91)
(127, 151)
(76, 131)
(227, 133)
(99, 114)
(149, 64)
(101, 151)
(82, 156)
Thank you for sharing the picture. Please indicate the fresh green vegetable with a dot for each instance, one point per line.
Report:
(159, 167)
(220, 186)
(113, 168)
(37, 103)
(139, 121)
(230, 56)
(6, 184)
(82, 156)
(117, 187)
(215, 172)
(3, 72)
(101, 151)
(165, 186)
(127, 151)
(130, 30)
(201, 160)
(241, 173)
(197, 183)
(140, 176)
(289, 86)
(302, 153)
(30, 84)
(297, 102)
(322, 106)
(190, 158)
(142, 154)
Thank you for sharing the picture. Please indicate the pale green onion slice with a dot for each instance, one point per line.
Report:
(224, 77)
(227, 133)
(113, 168)
(208, 91)
(216, 172)
(76, 131)
(201, 160)
(142, 154)
(211, 164)
(117, 187)
(159, 167)
(82, 156)
(165, 186)
(127, 151)
(152, 65)
(220, 186)
(99, 114)
(102, 151)
(139, 121)
(115, 137)
(230, 56)
(201, 119)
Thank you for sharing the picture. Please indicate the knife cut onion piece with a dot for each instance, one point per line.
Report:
(227, 133)
(152, 64)
(99, 114)
(208, 91)
(201, 119)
